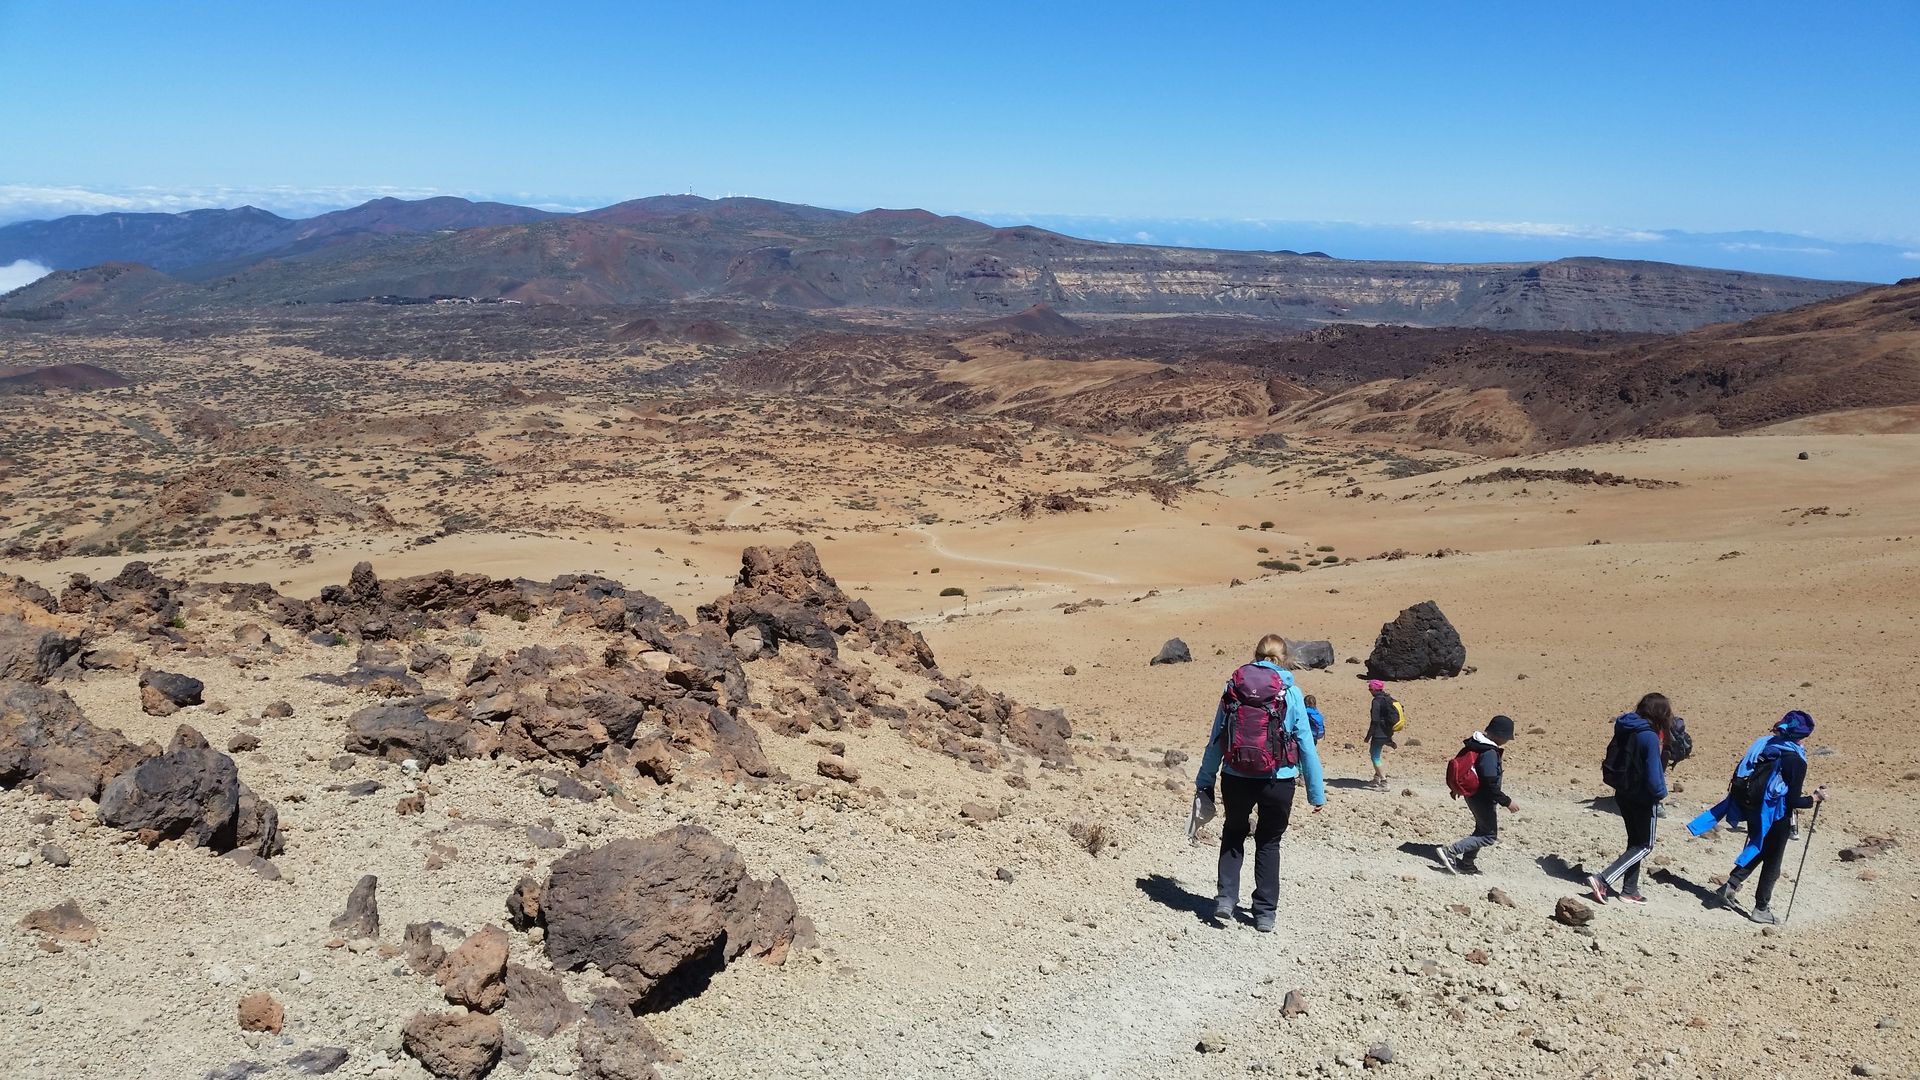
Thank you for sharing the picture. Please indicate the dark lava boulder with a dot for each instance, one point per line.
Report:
(46, 743)
(398, 731)
(661, 915)
(33, 653)
(188, 793)
(163, 693)
(1307, 655)
(1419, 643)
(1174, 651)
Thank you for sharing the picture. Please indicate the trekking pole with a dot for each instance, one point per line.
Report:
(1811, 825)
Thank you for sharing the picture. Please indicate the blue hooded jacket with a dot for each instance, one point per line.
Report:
(1646, 776)
(1297, 725)
(1782, 796)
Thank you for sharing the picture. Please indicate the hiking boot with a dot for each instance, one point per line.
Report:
(1723, 896)
(1468, 866)
(1596, 889)
(1264, 922)
(1223, 909)
(1446, 858)
(1764, 917)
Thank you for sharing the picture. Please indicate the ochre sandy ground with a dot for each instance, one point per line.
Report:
(1085, 966)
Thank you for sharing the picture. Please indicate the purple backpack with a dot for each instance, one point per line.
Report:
(1258, 741)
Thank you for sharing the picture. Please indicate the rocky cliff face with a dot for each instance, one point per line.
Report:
(803, 257)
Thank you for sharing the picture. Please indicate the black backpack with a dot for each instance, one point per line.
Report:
(1679, 745)
(1750, 791)
(1617, 768)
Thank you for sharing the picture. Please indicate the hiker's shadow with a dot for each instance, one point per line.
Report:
(1558, 868)
(1169, 893)
(1426, 853)
(1347, 783)
(1604, 803)
(1708, 897)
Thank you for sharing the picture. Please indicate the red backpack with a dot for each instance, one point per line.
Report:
(1258, 741)
(1463, 772)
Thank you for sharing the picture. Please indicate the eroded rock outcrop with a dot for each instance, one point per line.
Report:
(788, 596)
(47, 744)
(661, 915)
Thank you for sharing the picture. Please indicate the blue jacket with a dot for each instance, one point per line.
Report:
(1297, 725)
(1783, 794)
(1646, 776)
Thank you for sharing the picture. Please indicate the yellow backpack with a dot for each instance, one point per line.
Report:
(1399, 717)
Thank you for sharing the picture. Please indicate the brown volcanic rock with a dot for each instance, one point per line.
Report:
(398, 731)
(788, 596)
(163, 693)
(369, 608)
(538, 1002)
(47, 742)
(453, 1045)
(33, 653)
(696, 725)
(361, 918)
(614, 1044)
(647, 911)
(474, 974)
(135, 600)
(260, 1012)
(63, 921)
(191, 794)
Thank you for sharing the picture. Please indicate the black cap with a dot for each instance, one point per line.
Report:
(1500, 728)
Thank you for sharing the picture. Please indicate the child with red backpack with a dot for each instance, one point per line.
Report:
(1474, 774)
(1263, 742)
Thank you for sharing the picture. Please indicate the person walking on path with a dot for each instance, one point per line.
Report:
(1261, 745)
(1764, 793)
(1633, 769)
(1383, 718)
(1475, 775)
(1314, 718)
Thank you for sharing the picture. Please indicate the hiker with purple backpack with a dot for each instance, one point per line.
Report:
(1263, 743)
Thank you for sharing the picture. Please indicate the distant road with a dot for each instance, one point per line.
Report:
(946, 552)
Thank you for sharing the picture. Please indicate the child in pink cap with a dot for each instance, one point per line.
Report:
(1383, 718)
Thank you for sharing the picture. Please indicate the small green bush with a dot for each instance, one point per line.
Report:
(1276, 564)
(1262, 551)
(935, 570)
(1324, 547)
(953, 590)
(1266, 525)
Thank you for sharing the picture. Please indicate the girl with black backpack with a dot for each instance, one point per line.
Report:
(1764, 793)
(1634, 769)
(1264, 743)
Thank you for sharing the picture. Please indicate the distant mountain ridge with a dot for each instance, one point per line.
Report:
(683, 247)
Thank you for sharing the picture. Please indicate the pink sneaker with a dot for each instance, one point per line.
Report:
(1597, 889)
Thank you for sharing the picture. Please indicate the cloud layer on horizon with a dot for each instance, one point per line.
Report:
(1425, 241)
(20, 273)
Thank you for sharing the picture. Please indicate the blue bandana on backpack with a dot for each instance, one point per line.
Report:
(1763, 754)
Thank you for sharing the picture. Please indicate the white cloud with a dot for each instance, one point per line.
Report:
(1143, 236)
(21, 273)
(1778, 249)
(1541, 230)
(1914, 255)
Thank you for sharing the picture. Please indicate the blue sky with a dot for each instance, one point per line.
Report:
(1464, 130)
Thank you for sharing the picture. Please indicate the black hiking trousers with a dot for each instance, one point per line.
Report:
(1638, 816)
(1773, 854)
(1274, 800)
